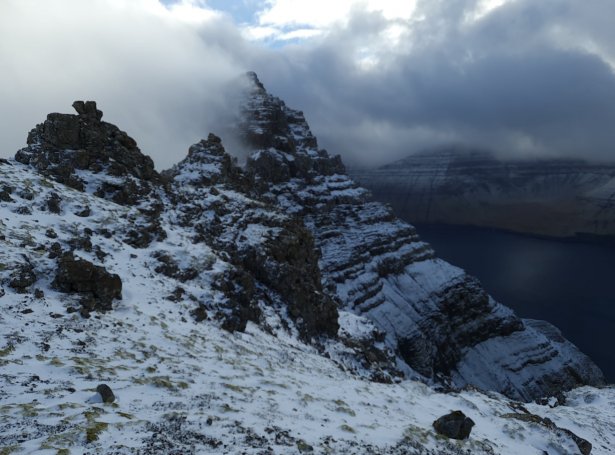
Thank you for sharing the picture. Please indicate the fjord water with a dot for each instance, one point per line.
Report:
(570, 284)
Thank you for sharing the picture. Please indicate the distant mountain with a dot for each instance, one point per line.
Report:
(267, 309)
(558, 197)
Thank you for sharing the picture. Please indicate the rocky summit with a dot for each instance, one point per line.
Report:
(270, 308)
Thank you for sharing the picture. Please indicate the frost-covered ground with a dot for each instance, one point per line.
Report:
(189, 387)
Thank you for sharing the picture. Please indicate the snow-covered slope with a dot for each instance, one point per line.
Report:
(206, 305)
(185, 387)
(440, 321)
(462, 186)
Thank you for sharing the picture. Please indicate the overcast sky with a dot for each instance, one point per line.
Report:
(377, 79)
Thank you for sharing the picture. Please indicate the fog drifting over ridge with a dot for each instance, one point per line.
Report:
(525, 78)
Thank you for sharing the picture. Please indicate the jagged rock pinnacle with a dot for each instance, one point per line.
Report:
(252, 77)
(87, 109)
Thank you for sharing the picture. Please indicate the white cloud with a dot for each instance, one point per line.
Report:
(159, 73)
(309, 18)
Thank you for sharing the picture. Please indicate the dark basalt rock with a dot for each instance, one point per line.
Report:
(97, 286)
(213, 164)
(280, 137)
(5, 194)
(454, 425)
(242, 294)
(444, 336)
(585, 447)
(105, 393)
(199, 313)
(53, 203)
(22, 278)
(169, 267)
(66, 143)
(288, 264)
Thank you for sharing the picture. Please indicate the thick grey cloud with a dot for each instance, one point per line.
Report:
(160, 79)
(532, 78)
(529, 78)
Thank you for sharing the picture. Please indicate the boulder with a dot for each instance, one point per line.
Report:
(98, 287)
(455, 425)
(22, 278)
(105, 393)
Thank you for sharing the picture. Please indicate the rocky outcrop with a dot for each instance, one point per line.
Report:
(438, 319)
(85, 153)
(22, 278)
(584, 446)
(266, 247)
(65, 144)
(455, 425)
(94, 284)
(561, 198)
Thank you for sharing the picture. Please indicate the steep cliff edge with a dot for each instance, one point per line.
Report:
(439, 320)
(561, 198)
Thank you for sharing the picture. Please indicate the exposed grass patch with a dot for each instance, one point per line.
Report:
(234, 388)
(163, 382)
(56, 362)
(347, 428)
(94, 427)
(28, 409)
(342, 406)
(227, 408)
(7, 350)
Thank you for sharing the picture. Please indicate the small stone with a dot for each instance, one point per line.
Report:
(199, 313)
(55, 250)
(39, 294)
(84, 213)
(454, 425)
(50, 233)
(105, 392)
(27, 311)
(5, 194)
(23, 210)
(53, 203)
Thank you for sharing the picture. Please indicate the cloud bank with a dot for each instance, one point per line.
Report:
(158, 73)
(520, 77)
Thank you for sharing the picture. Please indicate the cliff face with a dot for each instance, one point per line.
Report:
(560, 198)
(438, 319)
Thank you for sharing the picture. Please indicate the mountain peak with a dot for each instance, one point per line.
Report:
(253, 78)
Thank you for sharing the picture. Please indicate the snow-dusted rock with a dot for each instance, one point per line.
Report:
(439, 320)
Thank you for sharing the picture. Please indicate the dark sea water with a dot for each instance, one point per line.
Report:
(570, 284)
